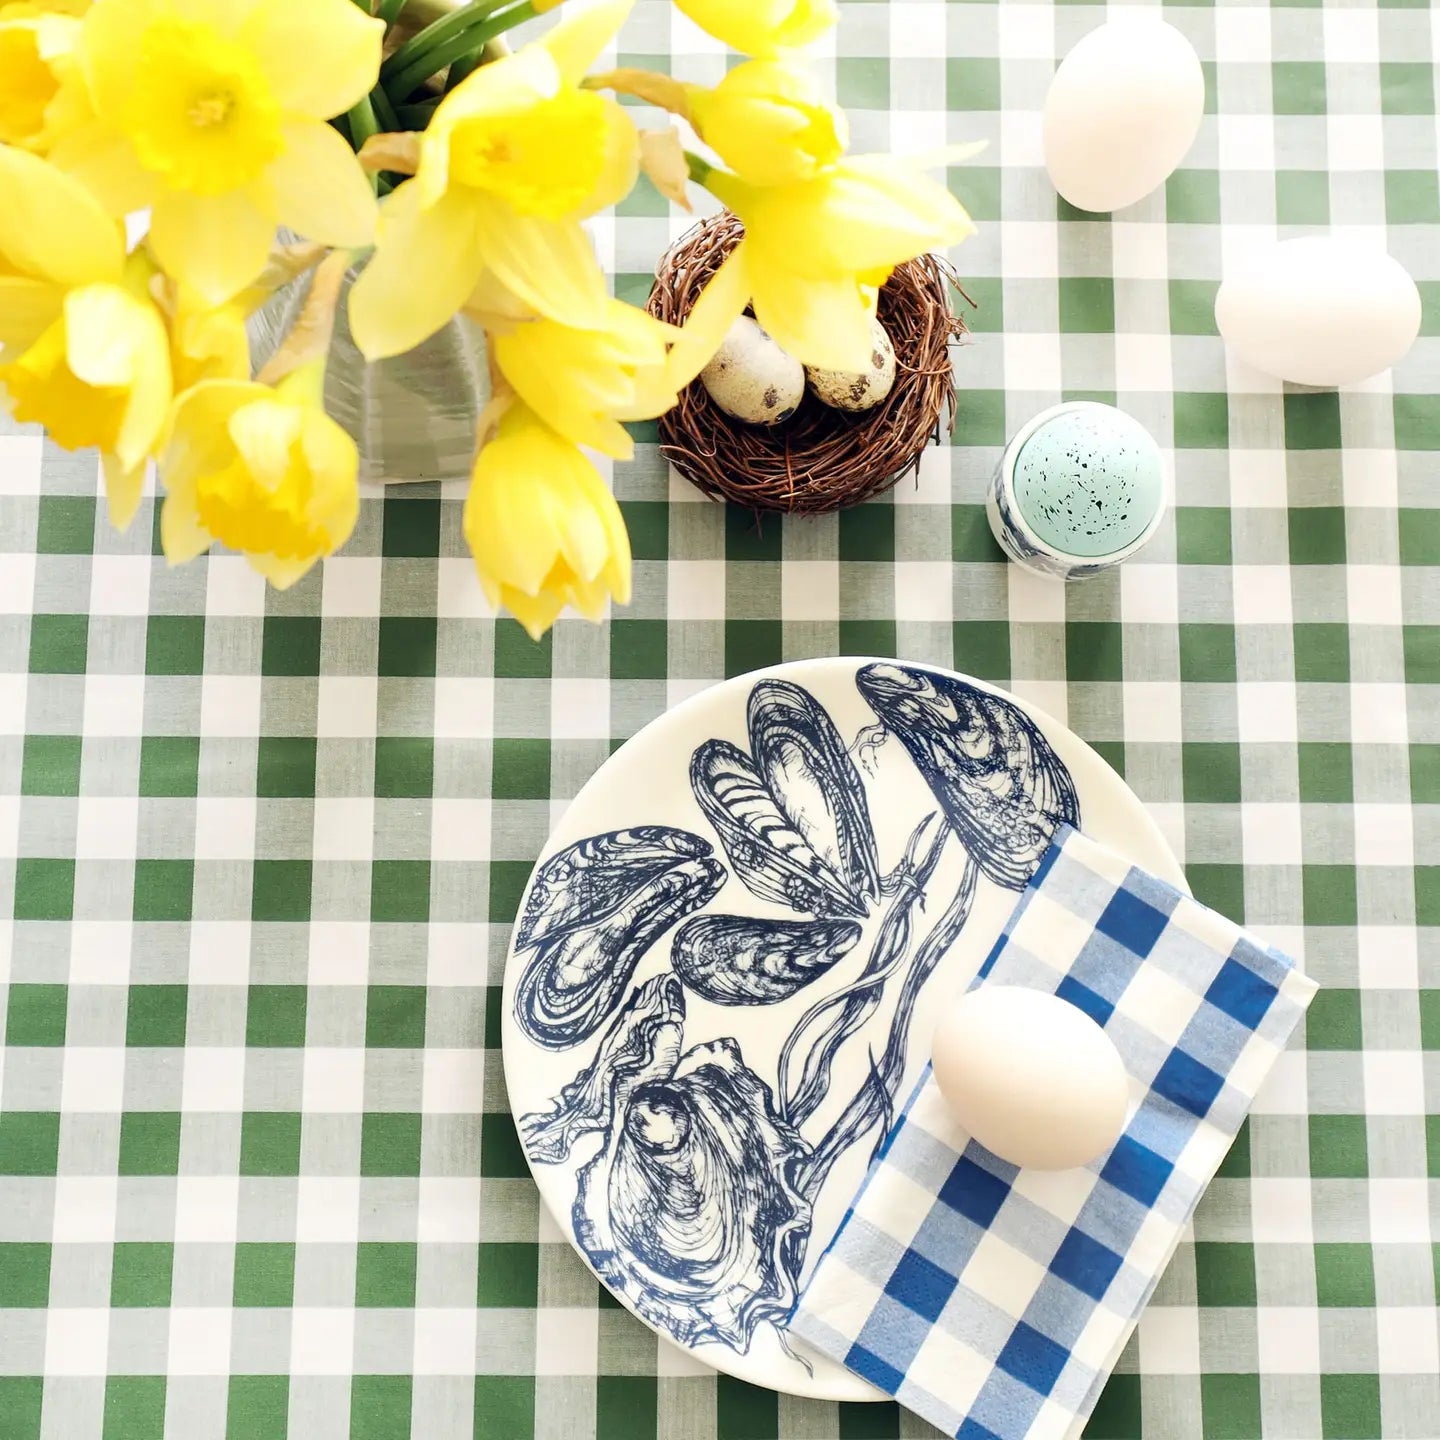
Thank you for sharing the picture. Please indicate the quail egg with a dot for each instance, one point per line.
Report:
(752, 378)
(847, 391)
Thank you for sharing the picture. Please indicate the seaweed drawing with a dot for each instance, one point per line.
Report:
(696, 1207)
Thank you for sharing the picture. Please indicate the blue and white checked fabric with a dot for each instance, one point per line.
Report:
(995, 1301)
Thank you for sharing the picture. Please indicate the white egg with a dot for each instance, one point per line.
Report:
(1033, 1078)
(1318, 310)
(847, 390)
(752, 378)
(1123, 108)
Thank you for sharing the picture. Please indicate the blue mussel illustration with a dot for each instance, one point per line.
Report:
(696, 1206)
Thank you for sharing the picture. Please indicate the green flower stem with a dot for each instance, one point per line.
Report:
(363, 125)
(417, 116)
(466, 42)
(384, 110)
(700, 170)
(389, 11)
(439, 32)
(461, 69)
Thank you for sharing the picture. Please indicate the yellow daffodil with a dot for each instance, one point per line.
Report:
(581, 383)
(761, 27)
(767, 122)
(543, 527)
(263, 470)
(213, 112)
(99, 375)
(84, 349)
(207, 342)
(53, 236)
(814, 256)
(42, 94)
(511, 162)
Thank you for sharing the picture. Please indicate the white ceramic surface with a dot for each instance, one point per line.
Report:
(654, 1053)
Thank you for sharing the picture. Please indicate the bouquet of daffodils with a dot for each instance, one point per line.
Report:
(382, 135)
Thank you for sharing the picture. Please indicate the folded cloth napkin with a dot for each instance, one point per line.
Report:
(995, 1301)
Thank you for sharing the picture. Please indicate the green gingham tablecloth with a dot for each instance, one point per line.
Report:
(257, 1169)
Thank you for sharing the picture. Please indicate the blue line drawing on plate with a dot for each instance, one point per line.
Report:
(602, 904)
(741, 960)
(696, 1208)
(589, 879)
(689, 1211)
(792, 816)
(999, 783)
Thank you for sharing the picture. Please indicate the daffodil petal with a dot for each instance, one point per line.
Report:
(105, 164)
(319, 56)
(537, 613)
(282, 574)
(558, 402)
(124, 488)
(492, 304)
(582, 35)
(227, 16)
(113, 339)
(197, 438)
(421, 273)
(51, 227)
(110, 48)
(27, 309)
(621, 162)
(182, 536)
(721, 302)
(519, 503)
(216, 243)
(880, 212)
(263, 433)
(825, 323)
(320, 190)
(654, 394)
(761, 27)
(549, 264)
(616, 569)
(329, 451)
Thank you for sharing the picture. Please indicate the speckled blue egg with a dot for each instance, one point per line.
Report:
(1089, 481)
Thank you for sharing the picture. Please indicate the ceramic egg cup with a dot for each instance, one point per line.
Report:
(1019, 540)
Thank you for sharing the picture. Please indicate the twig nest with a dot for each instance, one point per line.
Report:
(846, 390)
(821, 458)
(751, 378)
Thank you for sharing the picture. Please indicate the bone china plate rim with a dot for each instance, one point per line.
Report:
(677, 1142)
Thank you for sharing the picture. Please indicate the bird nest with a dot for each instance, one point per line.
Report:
(820, 459)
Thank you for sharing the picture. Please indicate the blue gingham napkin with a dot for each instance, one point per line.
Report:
(995, 1301)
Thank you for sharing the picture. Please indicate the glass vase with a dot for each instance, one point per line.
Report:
(413, 416)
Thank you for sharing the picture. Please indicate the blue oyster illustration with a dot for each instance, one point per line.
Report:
(594, 910)
(642, 1043)
(689, 1210)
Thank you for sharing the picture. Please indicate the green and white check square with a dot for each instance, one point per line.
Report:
(260, 852)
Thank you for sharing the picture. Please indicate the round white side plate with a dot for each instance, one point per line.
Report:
(643, 1049)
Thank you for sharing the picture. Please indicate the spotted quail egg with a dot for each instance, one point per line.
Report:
(752, 378)
(847, 391)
